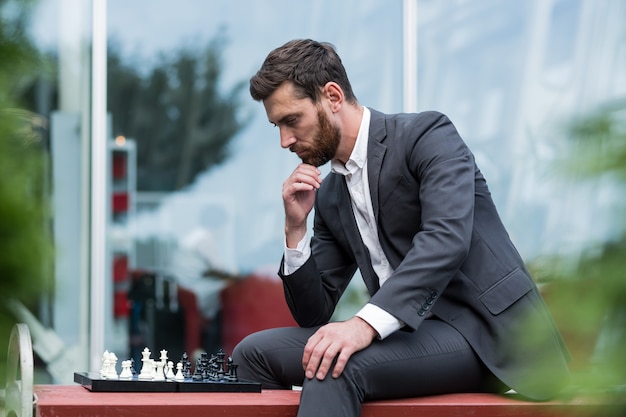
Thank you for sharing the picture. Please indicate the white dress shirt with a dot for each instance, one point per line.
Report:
(355, 174)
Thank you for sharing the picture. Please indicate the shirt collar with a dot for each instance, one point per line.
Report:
(358, 157)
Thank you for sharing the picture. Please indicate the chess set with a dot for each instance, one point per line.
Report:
(210, 374)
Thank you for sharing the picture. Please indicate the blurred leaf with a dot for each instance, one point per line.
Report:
(587, 293)
(598, 143)
(25, 246)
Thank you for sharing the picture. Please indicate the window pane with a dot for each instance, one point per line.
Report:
(209, 166)
(55, 91)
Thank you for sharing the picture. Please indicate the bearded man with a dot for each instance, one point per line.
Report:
(451, 300)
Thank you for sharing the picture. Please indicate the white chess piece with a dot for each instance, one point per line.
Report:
(164, 361)
(179, 372)
(105, 364)
(159, 375)
(126, 372)
(111, 372)
(146, 367)
(170, 370)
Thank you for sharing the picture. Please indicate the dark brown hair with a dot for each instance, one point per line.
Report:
(308, 64)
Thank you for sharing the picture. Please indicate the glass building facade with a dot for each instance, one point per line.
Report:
(159, 157)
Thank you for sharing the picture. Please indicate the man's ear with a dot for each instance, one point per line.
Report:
(334, 94)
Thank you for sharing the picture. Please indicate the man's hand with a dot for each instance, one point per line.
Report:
(335, 340)
(298, 199)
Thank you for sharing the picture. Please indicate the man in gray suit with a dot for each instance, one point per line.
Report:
(452, 308)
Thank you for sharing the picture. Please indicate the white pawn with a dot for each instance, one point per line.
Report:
(159, 375)
(170, 370)
(146, 367)
(126, 372)
(179, 372)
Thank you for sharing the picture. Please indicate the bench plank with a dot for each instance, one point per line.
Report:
(75, 401)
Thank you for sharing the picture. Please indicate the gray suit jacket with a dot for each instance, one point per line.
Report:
(451, 254)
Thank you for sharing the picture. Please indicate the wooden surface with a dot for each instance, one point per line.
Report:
(74, 401)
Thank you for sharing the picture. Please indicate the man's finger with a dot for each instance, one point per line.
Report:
(341, 362)
(311, 356)
(327, 361)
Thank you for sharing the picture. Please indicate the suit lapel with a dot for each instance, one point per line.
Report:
(348, 223)
(375, 154)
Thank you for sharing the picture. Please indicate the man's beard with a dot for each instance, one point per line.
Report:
(326, 142)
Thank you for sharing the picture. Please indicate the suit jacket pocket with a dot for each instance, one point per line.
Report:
(505, 292)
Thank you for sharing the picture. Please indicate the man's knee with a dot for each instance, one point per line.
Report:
(246, 347)
(258, 343)
(349, 384)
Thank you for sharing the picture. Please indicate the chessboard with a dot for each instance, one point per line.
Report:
(210, 374)
(95, 383)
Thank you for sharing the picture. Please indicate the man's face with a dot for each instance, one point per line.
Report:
(325, 143)
(305, 129)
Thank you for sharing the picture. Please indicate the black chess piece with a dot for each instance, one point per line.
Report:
(213, 376)
(207, 363)
(186, 371)
(198, 374)
(220, 365)
(132, 367)
(231, 375)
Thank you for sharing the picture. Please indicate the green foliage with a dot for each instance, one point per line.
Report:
(25, 247)
(599, 143)
(587, 293)
(22, 212)
(180, 121)
(17, 55)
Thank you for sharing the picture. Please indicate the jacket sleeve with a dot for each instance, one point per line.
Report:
(440, 176)
(312, 292)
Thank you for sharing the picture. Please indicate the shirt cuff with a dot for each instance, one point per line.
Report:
(383, 322)
(295, 258)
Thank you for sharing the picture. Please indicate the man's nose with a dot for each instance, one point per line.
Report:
(286, 138)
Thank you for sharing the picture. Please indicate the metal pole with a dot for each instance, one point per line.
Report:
(99, 204)
(409, 53)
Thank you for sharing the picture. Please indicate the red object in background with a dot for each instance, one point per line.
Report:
(253, 304)
(121, 305)
(194, 323)
(120, 202)
(119, 165)
(120, 268)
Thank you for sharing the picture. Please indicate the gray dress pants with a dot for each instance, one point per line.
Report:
(435, 359)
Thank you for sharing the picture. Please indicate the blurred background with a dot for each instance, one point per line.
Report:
(150, 214)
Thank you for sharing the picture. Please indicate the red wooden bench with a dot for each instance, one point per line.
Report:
(75, 401)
